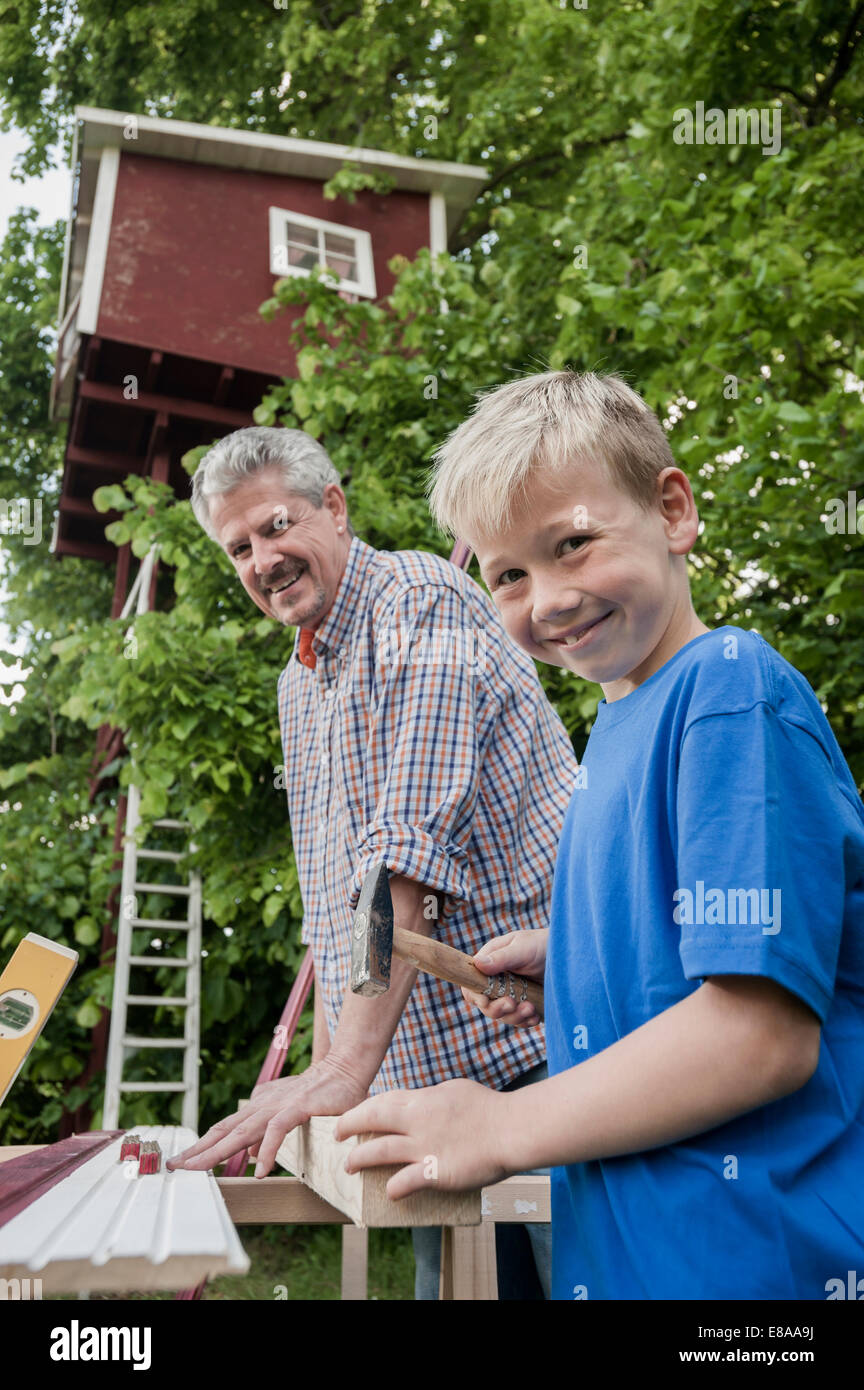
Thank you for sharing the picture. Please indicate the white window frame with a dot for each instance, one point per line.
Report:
(365, 283)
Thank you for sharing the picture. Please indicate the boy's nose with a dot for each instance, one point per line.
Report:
(551, 608)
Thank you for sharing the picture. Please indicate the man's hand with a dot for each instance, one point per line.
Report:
(338, 1080)
(273, 1111)
(446, 1136)
(522, 953)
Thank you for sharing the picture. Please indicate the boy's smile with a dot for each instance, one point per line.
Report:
(585, 578)
(581, 635)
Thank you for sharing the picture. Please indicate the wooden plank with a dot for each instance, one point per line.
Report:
(311, 1152)
(87, 550)
(134, 1275)
(468, 1266)
(257, 1201)
(172, 406)
(355, 1263)
(108, 461)
(522, 1199)
(105, 1227)
(80, 506)
(25, 1177)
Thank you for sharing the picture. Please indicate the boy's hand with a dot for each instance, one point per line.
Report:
(447, 1136)
(522, 953)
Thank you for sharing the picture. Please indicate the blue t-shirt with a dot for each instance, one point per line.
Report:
(718, 831)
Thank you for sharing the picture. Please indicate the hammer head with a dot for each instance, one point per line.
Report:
(372, 934)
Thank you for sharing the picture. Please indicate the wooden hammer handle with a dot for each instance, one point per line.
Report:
(446, 963)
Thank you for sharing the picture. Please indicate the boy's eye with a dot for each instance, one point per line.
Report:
(502, 578)
(578, 541)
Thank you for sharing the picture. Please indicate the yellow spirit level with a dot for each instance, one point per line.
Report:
(30, 986)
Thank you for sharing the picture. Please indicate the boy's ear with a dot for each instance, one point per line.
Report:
(678, 508)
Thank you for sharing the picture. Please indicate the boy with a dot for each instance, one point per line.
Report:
(705, 970)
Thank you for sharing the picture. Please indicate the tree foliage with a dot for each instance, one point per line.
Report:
(725, 283)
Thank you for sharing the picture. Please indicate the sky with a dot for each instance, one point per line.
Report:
(50, 196)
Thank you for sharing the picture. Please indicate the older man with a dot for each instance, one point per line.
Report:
(414, 732)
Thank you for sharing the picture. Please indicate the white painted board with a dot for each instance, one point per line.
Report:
(107, 1227)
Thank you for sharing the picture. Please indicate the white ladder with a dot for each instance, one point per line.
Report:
(120, 1039)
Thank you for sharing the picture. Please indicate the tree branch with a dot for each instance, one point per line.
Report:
(790, 91)
(53, 727)
(456, 243)
(531, 160)
(842, 63)
(843, 59)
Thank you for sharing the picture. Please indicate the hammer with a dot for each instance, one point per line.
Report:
(375, 940)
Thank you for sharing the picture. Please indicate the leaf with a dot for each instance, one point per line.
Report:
(300, 400)
(88, 1015)
(602, 293)
(111, 498)
(222, 776)
(182, 727)
(87, 933)
(307, 364)
(793, 413)
(10, 775)
(273, 905)
(119, 532)
(839, 582)
(110, 769)
(77, 706)
(567, 304)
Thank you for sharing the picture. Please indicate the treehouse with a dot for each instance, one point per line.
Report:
(176, 235)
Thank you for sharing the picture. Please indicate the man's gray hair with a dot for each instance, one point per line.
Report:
(305, 465)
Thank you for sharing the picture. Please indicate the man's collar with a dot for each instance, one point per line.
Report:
(335, 630)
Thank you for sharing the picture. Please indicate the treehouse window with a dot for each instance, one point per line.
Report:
(299, 243)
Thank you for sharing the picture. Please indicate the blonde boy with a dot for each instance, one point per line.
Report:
(704, 1113)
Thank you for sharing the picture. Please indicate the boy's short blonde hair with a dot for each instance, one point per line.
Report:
(543, 423)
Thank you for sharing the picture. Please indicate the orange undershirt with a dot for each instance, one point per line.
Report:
(305, 652)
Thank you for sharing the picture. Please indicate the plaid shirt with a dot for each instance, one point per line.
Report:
(422, 737)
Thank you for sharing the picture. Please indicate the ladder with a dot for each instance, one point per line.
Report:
(134, 884)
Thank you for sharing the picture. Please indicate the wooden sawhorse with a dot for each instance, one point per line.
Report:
(468, 1269)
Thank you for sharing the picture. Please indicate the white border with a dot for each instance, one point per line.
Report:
(74, 185)
(364, 284)
(248, 149)
(97, 242)
(437, 223)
